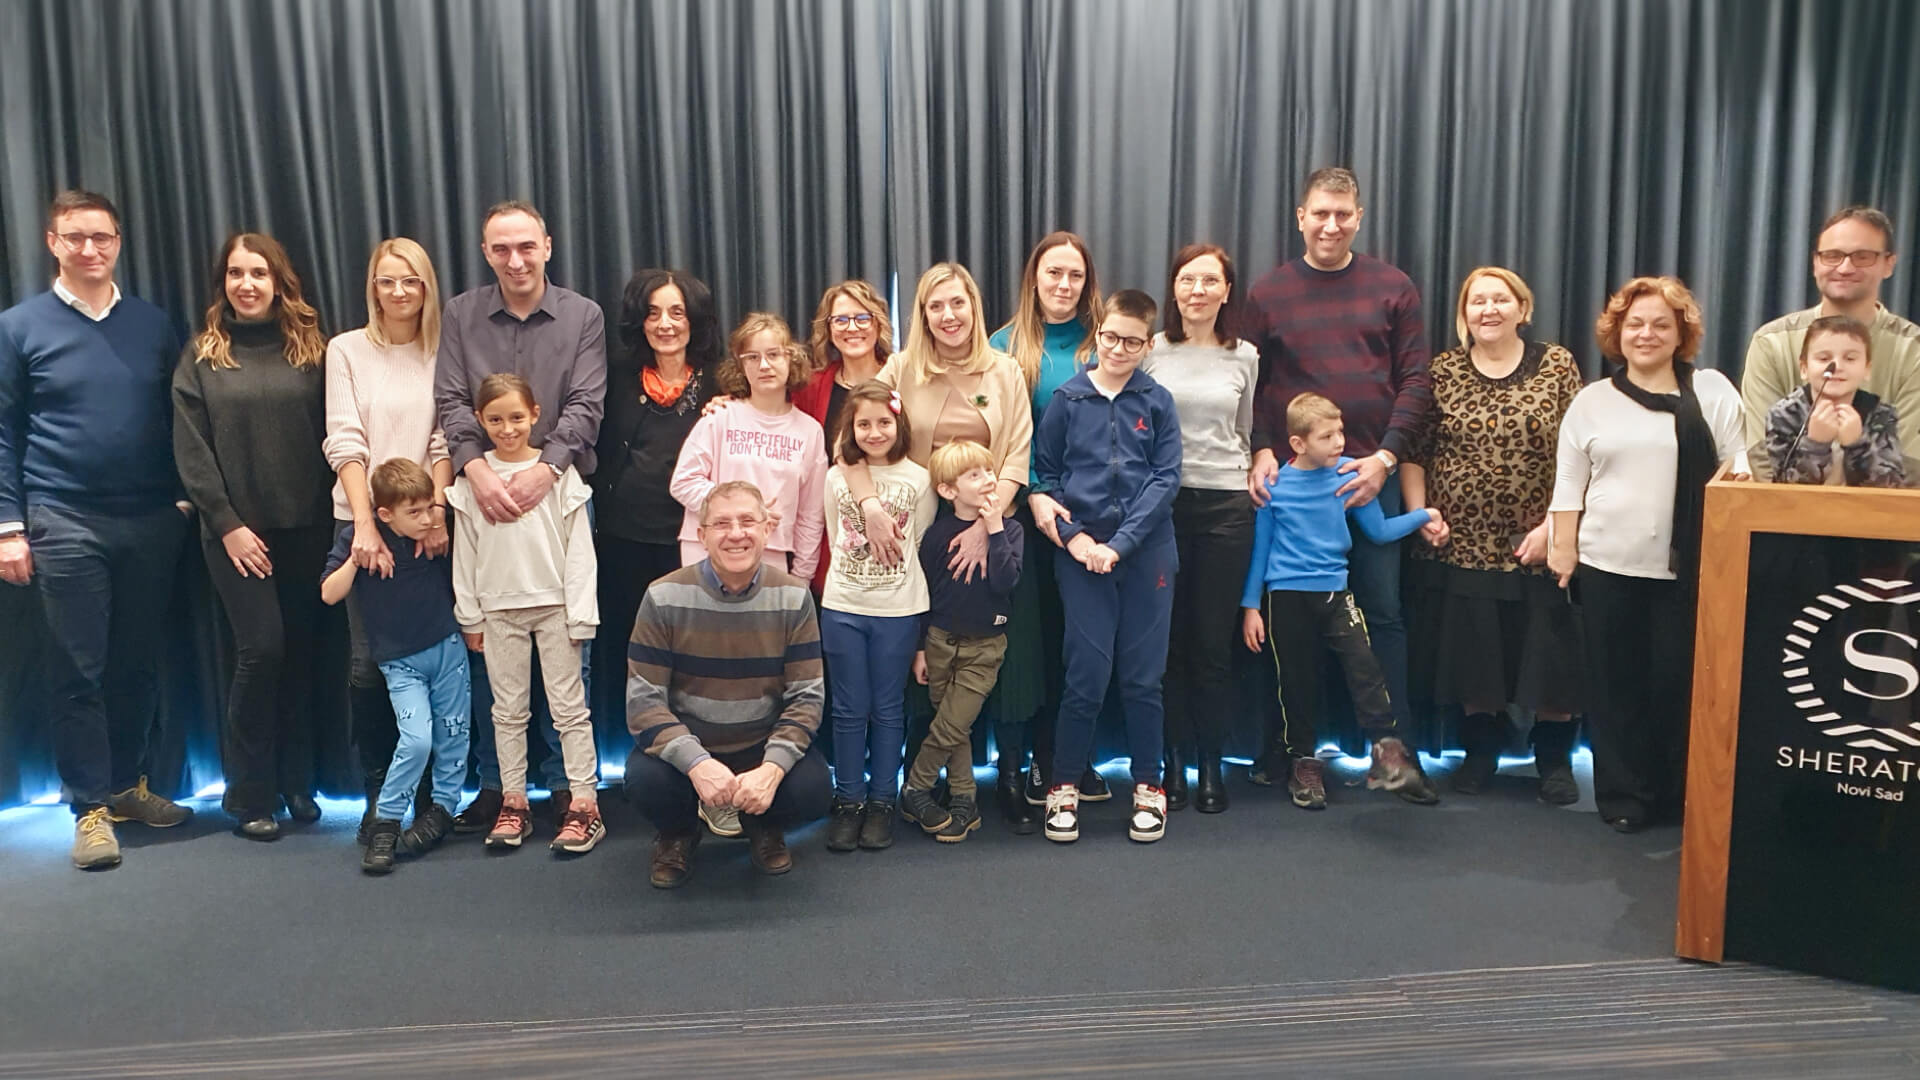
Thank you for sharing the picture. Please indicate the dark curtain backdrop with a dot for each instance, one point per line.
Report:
(776, 147)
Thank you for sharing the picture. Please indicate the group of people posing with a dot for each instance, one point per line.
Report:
(754, 544)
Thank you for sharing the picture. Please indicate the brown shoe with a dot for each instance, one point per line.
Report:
(560, 800)
(766, 846)
(673, 858)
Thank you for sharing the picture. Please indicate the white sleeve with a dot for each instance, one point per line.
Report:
(1573, 468)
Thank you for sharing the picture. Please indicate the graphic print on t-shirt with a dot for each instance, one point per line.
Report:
(771, 445)
(853, 557)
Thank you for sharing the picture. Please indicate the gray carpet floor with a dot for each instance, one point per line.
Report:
(202, 936)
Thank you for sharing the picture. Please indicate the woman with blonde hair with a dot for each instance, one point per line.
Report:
(1636, 452)
(249, 402)
(379, 406)
(1493, 630)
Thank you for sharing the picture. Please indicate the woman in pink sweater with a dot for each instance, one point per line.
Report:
(767, 443)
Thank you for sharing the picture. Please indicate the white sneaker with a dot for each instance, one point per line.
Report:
(1063, 814)
(723, 822)
(1149, 820)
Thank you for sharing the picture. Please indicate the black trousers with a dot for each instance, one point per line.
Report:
(666, 797)
(269, 739)
(1213, 531)
(627, 567)
(1639, 644)
(1299, 624)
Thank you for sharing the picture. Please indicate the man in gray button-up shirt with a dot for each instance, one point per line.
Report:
(552, 337)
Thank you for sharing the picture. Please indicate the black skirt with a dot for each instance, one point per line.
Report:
(1482, 636)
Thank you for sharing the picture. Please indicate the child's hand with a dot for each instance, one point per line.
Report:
(920, 667)
(1823, 424)
(476, 641)
(1851, 427)
(1079, 546)
(1253, 629)
(1435, 532)
(1101, 559)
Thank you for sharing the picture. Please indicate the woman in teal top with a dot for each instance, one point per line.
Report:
(1051, 337)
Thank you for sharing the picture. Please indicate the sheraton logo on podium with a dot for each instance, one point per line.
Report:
(1849, 667)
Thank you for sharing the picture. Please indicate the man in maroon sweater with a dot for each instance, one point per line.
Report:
(1348, 327)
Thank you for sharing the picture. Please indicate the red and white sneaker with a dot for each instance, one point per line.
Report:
(1063, 813)
(580, 830)
(1149, 820)
(514, 824)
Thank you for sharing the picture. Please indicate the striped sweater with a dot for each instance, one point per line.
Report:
(711, 673)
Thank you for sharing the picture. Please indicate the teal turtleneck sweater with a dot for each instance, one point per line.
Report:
(1057, 365)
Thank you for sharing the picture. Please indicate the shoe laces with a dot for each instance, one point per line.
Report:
(96, 827)
(577, 823)
(1066, 798)
(513, 817)
(140, 793)
(1148, 797)
(1311, 770)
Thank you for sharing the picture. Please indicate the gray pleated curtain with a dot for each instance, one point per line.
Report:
(776, 146)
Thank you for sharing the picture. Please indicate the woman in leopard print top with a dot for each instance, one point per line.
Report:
(1492, 628)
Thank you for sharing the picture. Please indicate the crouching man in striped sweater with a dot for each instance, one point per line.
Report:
(723, 694)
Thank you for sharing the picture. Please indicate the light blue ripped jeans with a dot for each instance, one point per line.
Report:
(431, 697)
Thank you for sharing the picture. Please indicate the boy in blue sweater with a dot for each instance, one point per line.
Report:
(1298, 578)
(1108, 448)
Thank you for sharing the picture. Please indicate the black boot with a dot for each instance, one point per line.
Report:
(1174, 779)
(1483, 736)
(1211, 796)
(375, 781)
(381, 842)
(1010, 790)
(1553, 759)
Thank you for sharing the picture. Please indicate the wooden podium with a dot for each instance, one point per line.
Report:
(1800, 838)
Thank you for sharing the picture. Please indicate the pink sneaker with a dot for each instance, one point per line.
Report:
(580, 830)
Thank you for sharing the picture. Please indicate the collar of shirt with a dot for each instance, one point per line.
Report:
(67, 297)
(713, 579)
(545, 306)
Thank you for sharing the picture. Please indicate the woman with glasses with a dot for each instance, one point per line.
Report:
(1211, 375)
(249, 401)
(380, 407)
(851, 339)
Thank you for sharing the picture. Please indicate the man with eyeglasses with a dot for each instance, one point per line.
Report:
(91, 511)
(724, 693)
(1851, 257)
(554, 338)
(1346, 326)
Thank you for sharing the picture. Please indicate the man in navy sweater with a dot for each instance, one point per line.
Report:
(1346, 326)
(91, 511)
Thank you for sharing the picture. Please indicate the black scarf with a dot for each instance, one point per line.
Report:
(1697, 460)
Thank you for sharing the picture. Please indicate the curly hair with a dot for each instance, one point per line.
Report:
(820, 344)
(1606, 329)
(306, 346)
(733, 381)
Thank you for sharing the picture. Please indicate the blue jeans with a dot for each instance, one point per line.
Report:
(869, 658)
(486, 756)
(1117, 624)
(430, 696)
(1373, 576)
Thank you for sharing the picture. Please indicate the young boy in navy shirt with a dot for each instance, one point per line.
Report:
(412, 635)
(1299, 573)
(1108, 448)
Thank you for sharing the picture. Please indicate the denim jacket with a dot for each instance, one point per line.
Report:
(1115, 465)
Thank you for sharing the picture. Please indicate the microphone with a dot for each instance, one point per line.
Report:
(1832, 366)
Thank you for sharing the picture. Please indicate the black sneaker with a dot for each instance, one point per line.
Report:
(427, 831)
(843, 825)
(381, 842)
(480, 814)
(876, 825)
(1267, 766)
(1307, 784)
(1093, 786)
(963, 819)
(1035, 789)
(919, 806)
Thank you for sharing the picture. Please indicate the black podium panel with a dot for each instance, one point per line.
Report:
(1824, 869)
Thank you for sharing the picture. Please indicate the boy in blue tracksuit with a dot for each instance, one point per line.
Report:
(1108, 449)
(1296, 598)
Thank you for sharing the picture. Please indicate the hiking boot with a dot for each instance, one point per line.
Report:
(843, 825)
(919, 807)
(1149, 820)
(427, 831)
(722, 821)
(1553, 759)
(382, 839)
(672, 858)
(1062, 817)
(1395, 768)
(95, 847)
(962, 818)
(767, 845)
(514, 825)
(580, 830)
(480, 814)
(139, 804)
(1307, 783)
(876, 825)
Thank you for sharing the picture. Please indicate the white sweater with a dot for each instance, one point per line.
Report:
(857, 583)
(379, 407)
(1616, 465)
(543, 559)
(1212, 392)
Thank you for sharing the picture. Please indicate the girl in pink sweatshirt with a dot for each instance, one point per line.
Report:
(765, 441)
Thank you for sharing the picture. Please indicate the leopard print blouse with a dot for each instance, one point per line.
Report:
(1488, 446)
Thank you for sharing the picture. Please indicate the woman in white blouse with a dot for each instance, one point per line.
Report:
(1636, 452)
(379, 407)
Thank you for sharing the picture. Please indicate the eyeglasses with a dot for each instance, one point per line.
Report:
(857, 322)
(727, 525)
(1206, 281)
(1862, 258)
(77, 242)
(1132, 346)
(754, 359)
(411, 284)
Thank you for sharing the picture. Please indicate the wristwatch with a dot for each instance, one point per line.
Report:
(1385, 457)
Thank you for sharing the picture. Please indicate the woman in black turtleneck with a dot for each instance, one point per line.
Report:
(249, 401)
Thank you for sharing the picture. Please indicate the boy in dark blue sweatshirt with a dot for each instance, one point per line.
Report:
(1299, 570)
(963, 639)
(1108, 449)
